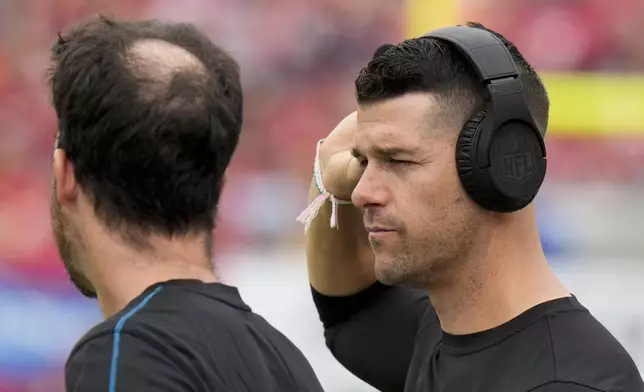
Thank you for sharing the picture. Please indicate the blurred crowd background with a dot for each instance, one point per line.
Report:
(299, 59)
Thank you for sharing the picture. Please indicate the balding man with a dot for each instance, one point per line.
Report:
(150, 116)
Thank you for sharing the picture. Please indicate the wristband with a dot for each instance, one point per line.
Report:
(307, 216)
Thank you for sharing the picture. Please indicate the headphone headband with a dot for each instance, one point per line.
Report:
(487, 54)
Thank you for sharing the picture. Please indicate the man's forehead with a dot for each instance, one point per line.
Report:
(378, 137)
(399, 123)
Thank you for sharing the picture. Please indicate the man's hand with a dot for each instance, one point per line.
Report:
(340, 170)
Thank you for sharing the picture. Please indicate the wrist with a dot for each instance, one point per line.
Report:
(307, 216)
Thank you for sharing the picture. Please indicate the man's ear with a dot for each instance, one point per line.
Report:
(64, 178)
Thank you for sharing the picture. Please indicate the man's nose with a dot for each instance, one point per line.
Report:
(371, 190)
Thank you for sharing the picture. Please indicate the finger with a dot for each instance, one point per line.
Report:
(335, 174)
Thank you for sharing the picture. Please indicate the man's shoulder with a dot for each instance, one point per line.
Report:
(100, 333)
(195, 331)
(162, 314)
(574, 333)
(188, 317)
(585, 351)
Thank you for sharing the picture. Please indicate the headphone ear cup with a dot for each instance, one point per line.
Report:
(465, 157)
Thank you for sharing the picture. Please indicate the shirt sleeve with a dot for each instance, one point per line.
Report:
(560, 386)
(372, 333)
(122, 363)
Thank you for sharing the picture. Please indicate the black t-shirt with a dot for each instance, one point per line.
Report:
(185, 336)
(390, 337)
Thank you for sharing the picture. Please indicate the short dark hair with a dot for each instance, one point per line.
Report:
(150, 153)
(434, 66)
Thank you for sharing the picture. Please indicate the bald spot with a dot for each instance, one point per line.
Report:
(162, 60)
(158, 63)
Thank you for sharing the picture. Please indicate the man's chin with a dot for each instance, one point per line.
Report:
(87, 293)
(83, 286)
(397, 271)
(79, 281)
(389, 271)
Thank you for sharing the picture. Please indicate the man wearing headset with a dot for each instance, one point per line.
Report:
(433, 278)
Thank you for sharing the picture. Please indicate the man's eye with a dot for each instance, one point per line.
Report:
(392, 161)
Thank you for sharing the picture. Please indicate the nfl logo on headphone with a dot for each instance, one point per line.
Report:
(519, 165)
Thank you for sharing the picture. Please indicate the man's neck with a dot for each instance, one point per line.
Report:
(495, 285)
(116, 292)
(120, 273)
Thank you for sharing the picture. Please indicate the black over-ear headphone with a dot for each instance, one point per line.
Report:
(500, 153)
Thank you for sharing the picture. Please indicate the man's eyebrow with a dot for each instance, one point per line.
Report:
(386, 151)
(394, 151)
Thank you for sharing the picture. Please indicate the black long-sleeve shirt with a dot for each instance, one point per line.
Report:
(187, 336)
(390, 337)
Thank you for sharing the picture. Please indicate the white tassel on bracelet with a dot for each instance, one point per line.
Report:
(307, 216)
